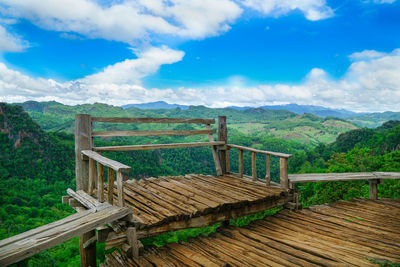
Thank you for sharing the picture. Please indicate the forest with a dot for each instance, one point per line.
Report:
(37, 162)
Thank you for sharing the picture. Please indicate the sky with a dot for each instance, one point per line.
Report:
(217, 53)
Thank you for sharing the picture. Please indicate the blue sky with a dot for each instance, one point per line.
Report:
(339, 54)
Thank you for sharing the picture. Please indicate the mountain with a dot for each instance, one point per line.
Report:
(155, 105)
(373, 120)
(316, 110)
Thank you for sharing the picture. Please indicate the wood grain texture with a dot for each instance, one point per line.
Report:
(110, 184)
(346, 233)
(281, 155)
(172, 200)
(217, 162)
(240, 162)
(223, 137)
(83, 141)
(316, 177)
(283, 172)
(24, 245)
(151, 133)
(100, 182)
(152, 120)
(115, 165)
(268, 169)
(156, 146)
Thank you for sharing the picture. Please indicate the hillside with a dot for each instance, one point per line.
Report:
(306, 129)
(373, 120)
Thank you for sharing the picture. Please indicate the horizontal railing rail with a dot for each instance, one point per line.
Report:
(284, 182)
(157, 146)
(151, 133)
(151, 120)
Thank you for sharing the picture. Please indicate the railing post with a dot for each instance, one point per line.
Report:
(110, 189)
(240, 163)
(253, 166)
(284, 173)
(100, 182)
(373, 189)
(83, 141)
(267, 169)
(120, 189)
(222, 136)
(228, 163)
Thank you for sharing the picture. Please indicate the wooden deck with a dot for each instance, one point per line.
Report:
(176, 202)
(358, 232)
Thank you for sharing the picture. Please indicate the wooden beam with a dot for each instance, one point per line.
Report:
(100, 182)
(156, 146)
(133, 241)
(152, 120)
(84, 198)
(373, 189)
(120, 189)
(317, 177)
(110, 188)
(223, 137)
(240, 162)
(281, 155)
(253, 166)
(267, 169)
(83, 141)
(117, 166)
(283, 164)
(92, 175)
(152, 133)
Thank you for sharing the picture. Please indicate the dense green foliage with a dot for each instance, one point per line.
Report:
(36, 166)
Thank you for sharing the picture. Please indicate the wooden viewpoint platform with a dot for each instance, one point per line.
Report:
(346, 233)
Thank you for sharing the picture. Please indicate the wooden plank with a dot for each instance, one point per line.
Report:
(151, 133)
(223, 137)
(100, 182)
(205, 220)
(240, 162)
(387, 175)
(120, 189)
(268, 169)
(152, 120)
(53, 234)
(84, 198)
(253, 166)
(156, 146)
(281, 155)
(92, 175)
(316, 177)
(283, 166)
(110, 185)
(133, 241)
(216, 158)
(117, 166)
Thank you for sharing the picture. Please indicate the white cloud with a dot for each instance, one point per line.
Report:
(312, 9)
(371, 84)
(9, 42)
(127, 21)
(132, 70)
(366, 54)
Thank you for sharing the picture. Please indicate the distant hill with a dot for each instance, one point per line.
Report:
(306, 128)
(373, 120)
(316, 110)
(155, 105)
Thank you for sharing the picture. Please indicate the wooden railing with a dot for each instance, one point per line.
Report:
(283, 163)
(113, 166)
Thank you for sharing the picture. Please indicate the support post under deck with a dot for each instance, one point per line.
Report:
(83, 141)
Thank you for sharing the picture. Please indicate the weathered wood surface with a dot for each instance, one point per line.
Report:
(156, 146)
(152, 120)
(317, 177)
(281, 155)
(152, 133)
(115, 165)
(156, 202)
(216, 159)
(353, 233)
(24, 245)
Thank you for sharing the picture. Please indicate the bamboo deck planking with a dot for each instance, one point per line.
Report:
(155, 202)
(358, 232)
